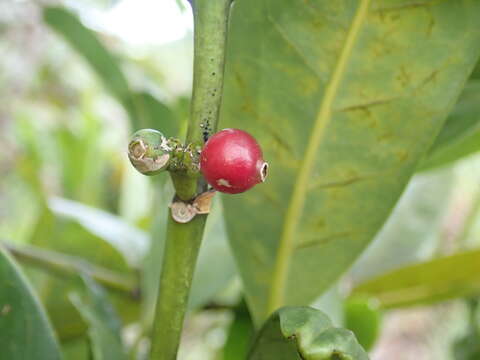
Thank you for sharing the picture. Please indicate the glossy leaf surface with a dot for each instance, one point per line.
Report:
(303, 333)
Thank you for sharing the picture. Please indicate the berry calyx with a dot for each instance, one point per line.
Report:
(149, 151)
(232, 161)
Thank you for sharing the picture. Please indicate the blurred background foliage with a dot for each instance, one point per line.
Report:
(76, 78)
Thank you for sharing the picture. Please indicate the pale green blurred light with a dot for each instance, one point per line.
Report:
(146, 22)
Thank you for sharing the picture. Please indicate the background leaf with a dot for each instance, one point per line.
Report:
(460, 136)
(104, 324)
(64, 235)
(131, 242)
(456, 151)
(464, 118)
(303, 333)
(304, 77)
(26, 331)
(468, 346)
(216, 265)
(144, 110)
(240, 334)
(98, 57)
(424, 283)
(476, 71)
(413, 232)
(78, 349)
(155, 114)
(363, 318)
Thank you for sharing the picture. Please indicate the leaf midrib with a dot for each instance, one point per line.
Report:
(297, 202)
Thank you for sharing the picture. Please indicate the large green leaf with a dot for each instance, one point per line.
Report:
(345, 97)
(460, 136)
(424, 283)
(104, 324)
(25, 332)
(303, 333)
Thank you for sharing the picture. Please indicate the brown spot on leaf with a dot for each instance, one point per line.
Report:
(322, 241)
(368, 104)
(407, 6)
(432, 77)
(404, 76)
(385, 137)
(5, 310)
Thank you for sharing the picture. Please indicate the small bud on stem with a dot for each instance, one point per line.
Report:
(149, 151)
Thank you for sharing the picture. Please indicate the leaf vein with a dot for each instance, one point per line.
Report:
(295, 209)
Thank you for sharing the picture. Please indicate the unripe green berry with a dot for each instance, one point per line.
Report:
(149, 151)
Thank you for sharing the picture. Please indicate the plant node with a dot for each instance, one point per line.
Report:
(182, 212)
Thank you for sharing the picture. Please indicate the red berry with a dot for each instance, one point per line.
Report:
(232, 161)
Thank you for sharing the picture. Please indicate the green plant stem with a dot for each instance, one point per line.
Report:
(66, 265)
(211, 25)
(185, 186)
(183, 240)
(181, 250)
